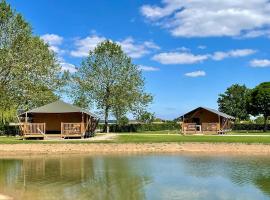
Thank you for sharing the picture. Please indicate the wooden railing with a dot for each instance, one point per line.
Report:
(33, 129)
(204, 127)
(189, 127)
(72, 129)
(210, 127)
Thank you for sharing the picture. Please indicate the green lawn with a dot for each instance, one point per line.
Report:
(145, 138)
(158, 137)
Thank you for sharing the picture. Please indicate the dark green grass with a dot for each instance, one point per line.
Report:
(139, 138)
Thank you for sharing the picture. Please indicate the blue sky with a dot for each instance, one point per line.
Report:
(189, 51)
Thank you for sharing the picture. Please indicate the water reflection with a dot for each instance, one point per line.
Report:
(71, 178)
(136, 177)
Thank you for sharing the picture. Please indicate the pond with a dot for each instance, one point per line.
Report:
(127, 177)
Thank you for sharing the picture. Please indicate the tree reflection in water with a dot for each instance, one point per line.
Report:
(76, 177)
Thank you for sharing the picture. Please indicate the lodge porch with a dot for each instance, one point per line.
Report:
(57, 118)
(205, 121)
(68, 130)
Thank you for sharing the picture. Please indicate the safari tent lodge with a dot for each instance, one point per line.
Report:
(206, 120)
(60, 118)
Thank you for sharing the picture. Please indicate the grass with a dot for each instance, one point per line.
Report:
(157, 137)
(147, 138)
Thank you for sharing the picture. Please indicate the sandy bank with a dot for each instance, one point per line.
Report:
(211, 148)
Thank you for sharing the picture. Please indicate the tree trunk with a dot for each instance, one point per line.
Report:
(106, 119)
(265, 123)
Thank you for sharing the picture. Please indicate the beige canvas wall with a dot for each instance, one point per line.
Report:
(53, 120)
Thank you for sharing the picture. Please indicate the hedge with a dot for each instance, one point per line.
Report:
(143, 127)
(5, 129)
(249, 127)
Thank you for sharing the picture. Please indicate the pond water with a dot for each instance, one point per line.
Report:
(127, 177)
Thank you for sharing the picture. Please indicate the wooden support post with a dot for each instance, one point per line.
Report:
(219, 125)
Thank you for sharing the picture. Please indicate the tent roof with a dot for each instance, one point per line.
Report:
(211, 110)
(59, 107)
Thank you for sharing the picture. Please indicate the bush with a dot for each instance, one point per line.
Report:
(249, 127)
(5, 129)
(144, 127)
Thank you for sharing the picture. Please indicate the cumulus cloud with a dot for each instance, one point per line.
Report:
(54, 41)
(200, 18)
(189, 58)
(260, 63)
(148, 68)
(179, 58)
(68, 67)
(85, 45)
(130, 46)
(220, 55)
(195, 74)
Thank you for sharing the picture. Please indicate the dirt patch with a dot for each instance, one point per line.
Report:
(209, 148)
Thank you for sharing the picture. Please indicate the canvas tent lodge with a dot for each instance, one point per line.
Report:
(205, 120)
(57, 118)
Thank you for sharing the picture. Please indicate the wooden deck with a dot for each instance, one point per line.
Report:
(193, 128)
(38, 130)
(71, 130)
(33, 130)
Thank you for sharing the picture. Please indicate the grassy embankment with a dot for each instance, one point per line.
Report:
(159, 137)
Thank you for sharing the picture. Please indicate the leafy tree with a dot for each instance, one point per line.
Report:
(259, 101)
(234, 101)
(111, 82)
(123, 121)
(29, 73)
(260, 120)
(146, 117)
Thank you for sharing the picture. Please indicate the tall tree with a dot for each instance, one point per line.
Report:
(29, 73)
(234, 101)
(111, 81)
(259, 101)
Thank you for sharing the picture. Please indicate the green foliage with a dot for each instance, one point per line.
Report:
(250, 127)
(234, 102)
(259, 101)
(108, 79)
(144, 127)
(260, 120)
(123, 121)
(29, 73)
(146, 117)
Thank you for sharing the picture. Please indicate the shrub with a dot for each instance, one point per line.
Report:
(249, 127)
(144, 127)
(5, 129)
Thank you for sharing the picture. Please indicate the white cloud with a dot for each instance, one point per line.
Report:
(179, 58)
(195, 74)
(130, 46)
(202, 47)
(260, 63)
(200, 18)
(68, 67)
(85, 45)
(189, 58)
(148, 68)
(220, 55)
(54, 41)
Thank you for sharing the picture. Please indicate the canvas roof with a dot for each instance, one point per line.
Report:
(60, 107)
(213, 111)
